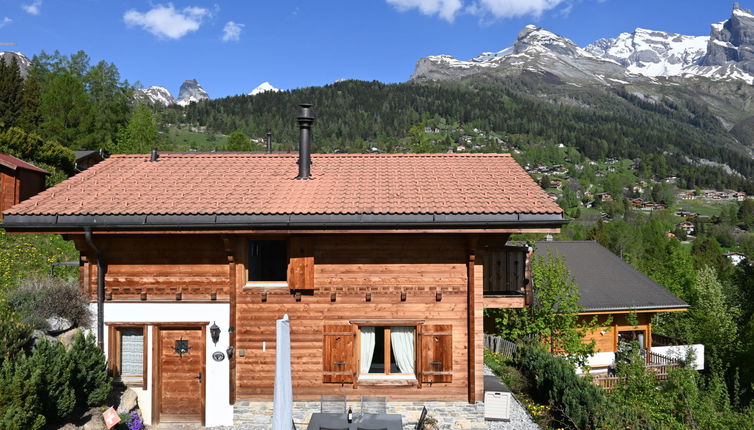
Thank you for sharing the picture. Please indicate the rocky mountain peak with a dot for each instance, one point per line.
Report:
(23, 60)
(155, 95)
(538, 39)
(191, 91)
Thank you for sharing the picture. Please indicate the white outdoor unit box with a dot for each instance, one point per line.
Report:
(497, 405)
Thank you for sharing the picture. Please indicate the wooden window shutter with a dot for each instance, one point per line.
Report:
(338, 356)
(301, 263)
(436, 353)
(505, 269)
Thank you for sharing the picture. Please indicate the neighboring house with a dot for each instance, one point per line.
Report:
(686, 226)
(612, 289)
(384, 264)
(19, 181)
(87, 159)
(603, 197)
(735, 257)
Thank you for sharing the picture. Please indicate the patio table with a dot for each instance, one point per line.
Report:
(366, 421)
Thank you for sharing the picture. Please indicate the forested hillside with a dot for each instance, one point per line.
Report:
(355, 116)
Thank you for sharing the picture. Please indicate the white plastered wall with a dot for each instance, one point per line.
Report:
(218, 411)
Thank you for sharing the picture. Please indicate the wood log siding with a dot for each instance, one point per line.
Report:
(351, 266)
(161, 266)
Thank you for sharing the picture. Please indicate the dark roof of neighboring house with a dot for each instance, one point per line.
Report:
(15, 163)
(86, 154)
(245, 189)
(606, 282)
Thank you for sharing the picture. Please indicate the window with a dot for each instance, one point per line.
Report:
(127, 353)
(268, 261)
(376, 352)
(387, 350)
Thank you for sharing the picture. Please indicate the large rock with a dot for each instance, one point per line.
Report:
(96, 422)
(66, 338)
(58, 325)
(128, 401)
(38, 336)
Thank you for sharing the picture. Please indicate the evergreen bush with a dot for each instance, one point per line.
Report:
(574, 399)
(56, 392)
(91, 380)
(20, 406)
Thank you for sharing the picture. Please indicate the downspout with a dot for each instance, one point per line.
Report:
(101, 268)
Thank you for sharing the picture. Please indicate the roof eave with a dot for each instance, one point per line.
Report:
(30, 223)
(625, 309)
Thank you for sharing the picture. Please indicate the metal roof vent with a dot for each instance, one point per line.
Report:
(305, 120)
(154, 155)
(269, 141)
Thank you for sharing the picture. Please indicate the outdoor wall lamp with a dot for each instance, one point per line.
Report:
(214, 331)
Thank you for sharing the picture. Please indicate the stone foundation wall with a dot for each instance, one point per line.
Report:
(257, 415)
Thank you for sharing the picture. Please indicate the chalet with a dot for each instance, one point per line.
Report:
(686, 226)
(611, 289)
(87, 159)
(19, 181)
(556, 183)
(603, 197)
(735, 257)
(383, 262)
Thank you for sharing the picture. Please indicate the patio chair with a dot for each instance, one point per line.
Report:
(422, 417)
(332, 404)
(373, 405)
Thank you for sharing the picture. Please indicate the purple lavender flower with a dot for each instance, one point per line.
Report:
(135, 423)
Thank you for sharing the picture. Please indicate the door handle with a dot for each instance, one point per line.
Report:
(199, 377)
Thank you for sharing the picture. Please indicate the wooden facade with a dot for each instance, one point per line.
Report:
(17, 185)
(335, 284)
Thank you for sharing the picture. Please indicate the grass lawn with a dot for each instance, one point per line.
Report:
(703, 207)
(183, 139)
(24, 255)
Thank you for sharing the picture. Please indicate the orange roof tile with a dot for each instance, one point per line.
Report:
(242, 184)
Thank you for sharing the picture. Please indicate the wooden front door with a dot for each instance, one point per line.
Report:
(180, 374)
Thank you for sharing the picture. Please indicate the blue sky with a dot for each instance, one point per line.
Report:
(232, 46)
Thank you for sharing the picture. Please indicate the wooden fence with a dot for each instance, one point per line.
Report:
(500, 345)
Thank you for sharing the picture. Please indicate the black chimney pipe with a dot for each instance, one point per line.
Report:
(305, 120)
(269, 141)
(154, 155)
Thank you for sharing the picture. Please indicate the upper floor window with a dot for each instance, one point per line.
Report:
(268, 260)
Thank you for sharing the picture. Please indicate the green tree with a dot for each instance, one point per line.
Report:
(140, 135)
(11, 91)
(30, 117)
(714, 320)
(553, 315)
(20, 406)
(66, 112)
(237, 141)
(91, 381)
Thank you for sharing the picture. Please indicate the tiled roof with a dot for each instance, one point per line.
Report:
(16, 163)
(606, 282)
(242, 184)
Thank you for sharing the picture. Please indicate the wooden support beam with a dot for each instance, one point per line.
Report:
(471, 313)
(230, 245)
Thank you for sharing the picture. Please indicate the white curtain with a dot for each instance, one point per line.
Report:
(402, 344)
(367, 348)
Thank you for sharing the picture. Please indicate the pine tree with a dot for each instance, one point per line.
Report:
(30, 118)
(11, 90)
(66, 112)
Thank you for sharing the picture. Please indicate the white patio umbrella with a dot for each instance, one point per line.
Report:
(282, 413)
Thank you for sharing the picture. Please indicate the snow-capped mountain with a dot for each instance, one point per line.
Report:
(652, 53)
(263, 88)
(191, 91)
(156, 95)
(641, 55)
(535, 50)
(23, 60)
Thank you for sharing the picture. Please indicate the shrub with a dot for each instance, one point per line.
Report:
(20, 408)
(38, 298)
(14, 335)
(56, 393)
(91, 381)
(573, 399)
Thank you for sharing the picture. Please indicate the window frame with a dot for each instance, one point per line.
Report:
(114, 352)
(387, 375)
(247, 265)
